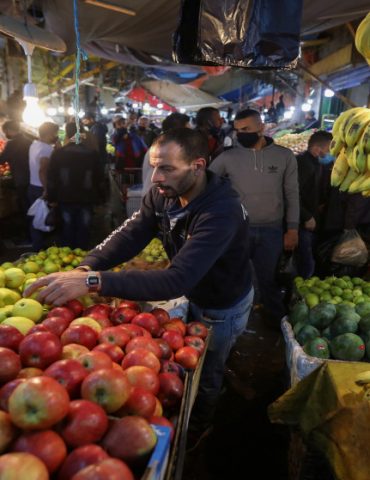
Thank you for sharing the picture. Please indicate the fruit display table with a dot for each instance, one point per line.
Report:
(331, 409)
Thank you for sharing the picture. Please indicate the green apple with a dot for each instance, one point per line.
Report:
(90, 322)
(31, 267)
(86, 300)
(9, 297)
(2, 278)
(5, 312)
(50, 267)
(14, 277)
(29, 308)
(40, 274)
(6, 265)
(22, 324)
(52, 250)
(27, 283)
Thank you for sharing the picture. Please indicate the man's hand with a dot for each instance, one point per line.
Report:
(290, 240)
(59, 287)
(310, 224)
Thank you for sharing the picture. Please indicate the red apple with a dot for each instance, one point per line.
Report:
(187, 357)
(7, 431)
(169, 366)
(82, 334)
(73, 350)
(76, 306)
(176, 324)
(38, 403)
(171, 389)
(111, 468)
(56, 325)
(140, 402)
(129, 304)
(165, 348)
(47, 445)
(147, 321)
(163, 422)
(197, 329)
(143, 377)
(102, 320)
(158, 411)
(6, 390)
(141, 356)
(30, 372)
(10, 337)
(195, 342)
(86, 422)
(100, 308)
(113, 351)
(91, 361)
(146, 343)
(61, 312)
(114, 335)
(146, 333)
(10, 364)
(173, 338)
(122, 315)
(109, 388)
(40, 349)
(80, 458)
(37, 328)
(161, 315)
(132, 330)
(22, 466)
(69, 373)
(131, 439)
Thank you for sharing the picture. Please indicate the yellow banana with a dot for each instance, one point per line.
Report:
(363, 378)
(365, 185)
(366, 193)
(365, 139)
(368, 161)
(356, 185)
(359, 159)
(350, 158)
(337, 126)
(356, 126)
(362, 38)
(336, 146)
(340, 169)
(349, 115)
(351, 176)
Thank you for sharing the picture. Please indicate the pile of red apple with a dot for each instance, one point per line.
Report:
(80, 391)
(5, 170)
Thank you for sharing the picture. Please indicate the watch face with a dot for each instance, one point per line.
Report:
(93, 280)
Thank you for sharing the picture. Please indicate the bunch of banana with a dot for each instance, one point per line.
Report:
(351, 147)
(362, 38)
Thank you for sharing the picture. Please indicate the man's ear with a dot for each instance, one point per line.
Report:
(199, 164)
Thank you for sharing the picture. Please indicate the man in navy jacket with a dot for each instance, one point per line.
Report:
(204, 230)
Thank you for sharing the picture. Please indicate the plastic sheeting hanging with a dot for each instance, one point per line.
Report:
(242, 33)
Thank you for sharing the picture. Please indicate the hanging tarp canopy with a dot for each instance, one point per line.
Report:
(182, 96)
(151, 29)
(139, 94)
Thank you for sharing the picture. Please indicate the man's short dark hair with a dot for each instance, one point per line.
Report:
(11, 125)
(71, 129)
(175, 120)
(193, 143)
(47, 128)
(311, 113)
(204, 117)
(247, 113)
(321, 138)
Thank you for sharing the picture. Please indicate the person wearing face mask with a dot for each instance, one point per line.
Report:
(143, 130)
(310, 164)
(265, 176)
(209, 122)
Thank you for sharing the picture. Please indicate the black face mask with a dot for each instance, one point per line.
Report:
(248, 140)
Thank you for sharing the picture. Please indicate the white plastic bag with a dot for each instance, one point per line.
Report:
(39, 211)
(350, 250)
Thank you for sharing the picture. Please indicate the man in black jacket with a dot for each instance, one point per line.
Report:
(204, 230)
(309, 193)
(75, 183)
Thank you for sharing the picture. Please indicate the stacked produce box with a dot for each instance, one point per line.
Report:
(330, 320)
(90, 390)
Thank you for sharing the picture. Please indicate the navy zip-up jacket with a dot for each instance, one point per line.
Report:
(206, 241)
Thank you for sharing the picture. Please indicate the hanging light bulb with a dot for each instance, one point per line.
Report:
(32, 114)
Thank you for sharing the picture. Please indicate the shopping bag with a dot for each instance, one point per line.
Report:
(350, 250)
(39, 210)
(286, 268)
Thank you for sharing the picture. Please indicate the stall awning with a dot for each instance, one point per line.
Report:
(350, 77)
